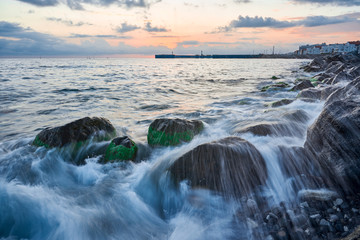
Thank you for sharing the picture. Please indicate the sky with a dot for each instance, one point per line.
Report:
(40, 28)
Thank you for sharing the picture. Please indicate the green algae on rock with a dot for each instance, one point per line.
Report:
(171, 132)
(122, 149)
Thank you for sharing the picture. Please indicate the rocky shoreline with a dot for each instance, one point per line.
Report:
(325, 171)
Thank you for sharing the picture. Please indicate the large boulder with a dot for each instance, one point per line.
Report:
(231, 166)
(333, 140)
(76, 132)
(171, 132)
(121, 149)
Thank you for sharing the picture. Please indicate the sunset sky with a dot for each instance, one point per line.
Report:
(147, 27)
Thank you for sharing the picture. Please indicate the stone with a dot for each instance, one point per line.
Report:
(76, 132)
(275, 87)
(171, 132)
(338, 202)
(317, 195)
(297, 116)
(121, 148)
(276, 129)
(231, 166)
(303, 85)
(310, 93)
(333, 140)
(281, 102)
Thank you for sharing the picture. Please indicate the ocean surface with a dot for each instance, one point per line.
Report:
(43, 196)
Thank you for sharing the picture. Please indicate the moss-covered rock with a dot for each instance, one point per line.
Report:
(121, 149)
(275, 86)
(274, 77)
(76, 133)
(171, 132)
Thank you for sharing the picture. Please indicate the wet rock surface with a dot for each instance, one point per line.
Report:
(231, 166)
(75, 132)
(171, 132)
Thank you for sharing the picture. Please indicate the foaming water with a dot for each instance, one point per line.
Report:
(44, 196)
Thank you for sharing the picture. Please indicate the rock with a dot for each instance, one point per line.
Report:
(310, 93)
(231, 165)
(293, 161)
(327, 91)
(303, 85)
(171, 132)
(333, 140)
(281, 102)
(317, 195)
(340, 77)
(333, 218)
(274, 77)
(354, 72)
(274, 87)
(121, 148)
(335, 67)
(338, 202)
(297, 116)
(276, 129)
(76, 132)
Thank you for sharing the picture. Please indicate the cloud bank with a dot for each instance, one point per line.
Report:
(125, 27)
(78, 4)
(260, 22)
(332, 2)
(150, 28)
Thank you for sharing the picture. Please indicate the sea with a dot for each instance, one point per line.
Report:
(44, 196)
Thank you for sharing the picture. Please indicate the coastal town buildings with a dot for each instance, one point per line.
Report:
(323, 48)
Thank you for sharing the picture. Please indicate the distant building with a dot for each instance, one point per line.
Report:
(353, 46)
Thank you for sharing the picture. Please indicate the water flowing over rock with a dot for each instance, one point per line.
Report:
(275, 129)
(171, 132)
(334, 139)
(121, 148)
(231, 166)
(310, 93)
(75, 132)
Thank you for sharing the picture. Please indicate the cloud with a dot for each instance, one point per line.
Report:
(125, 27)
(187, 43)
(332, 2)
(242, 1)
(150, 28)
(67, 22)
(16, 40)
(260, 22)
(315, 21)
(76, 35)
(77, 4)
(255, 22)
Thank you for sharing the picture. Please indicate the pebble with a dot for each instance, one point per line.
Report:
(338, 202)
(333, 218)
(346, 229)
(323, 222)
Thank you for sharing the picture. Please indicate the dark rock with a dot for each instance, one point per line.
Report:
(354, 72)
(335, 68)
(121, 148)
(342, 76)
(317, 195)
(232, 166)
(171, 132)
(333, 140)
(303, 85)
(310, 93)
(297, 116)
(326, 92)
(76, 132)
(281, 102)
(276, 129)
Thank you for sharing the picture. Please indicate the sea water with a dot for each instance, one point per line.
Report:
(44, 196)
